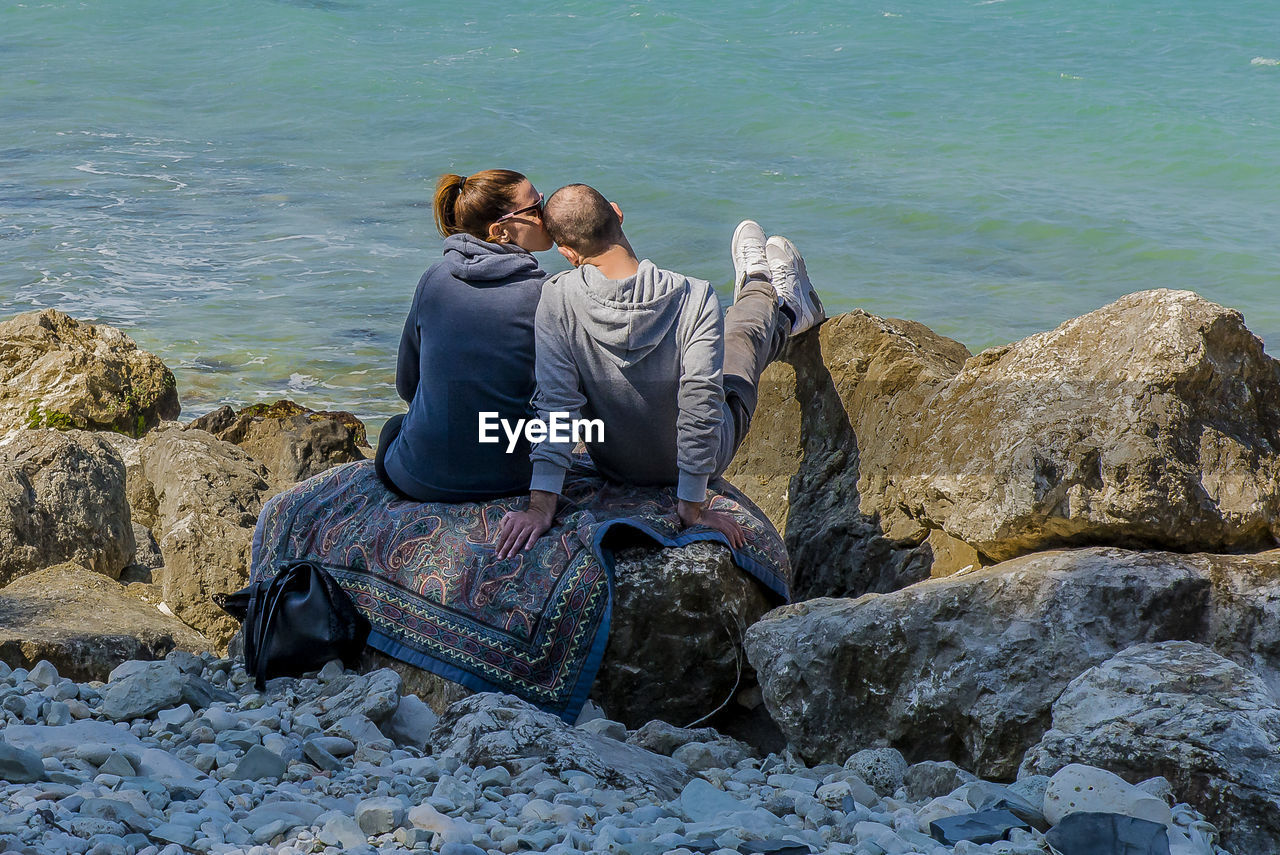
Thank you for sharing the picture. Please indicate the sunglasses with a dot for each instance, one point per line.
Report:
(536, 206)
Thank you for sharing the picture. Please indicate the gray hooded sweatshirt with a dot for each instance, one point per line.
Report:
(644, 355)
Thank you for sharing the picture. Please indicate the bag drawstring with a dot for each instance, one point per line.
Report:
(251, 623)
(280, 585)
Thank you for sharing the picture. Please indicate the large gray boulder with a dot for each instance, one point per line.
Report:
(58, 372)
(965, 668)
(85, 624)
(502, 730)
(1181, 711)
(1151, 422)
(201, 498)
(62, 498)
(293, 442)
(675, 643)
(822, 409)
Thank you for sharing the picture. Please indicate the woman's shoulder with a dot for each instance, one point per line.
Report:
(440, 270)
(447, 287)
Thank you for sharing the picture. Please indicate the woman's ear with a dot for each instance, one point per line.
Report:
(569, 255)
(498, 234)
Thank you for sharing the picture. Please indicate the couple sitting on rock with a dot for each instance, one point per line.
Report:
(644, 351)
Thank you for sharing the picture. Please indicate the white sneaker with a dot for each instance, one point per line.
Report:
(791, 282)
(749, 261)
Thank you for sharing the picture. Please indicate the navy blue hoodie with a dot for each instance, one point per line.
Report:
(467, 347)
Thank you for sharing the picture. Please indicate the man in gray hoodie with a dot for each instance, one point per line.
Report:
(647, 352)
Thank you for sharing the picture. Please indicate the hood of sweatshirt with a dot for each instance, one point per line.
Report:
(475, 260)
(629, 317)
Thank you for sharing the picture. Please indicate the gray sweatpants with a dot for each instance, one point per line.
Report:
(755, 332)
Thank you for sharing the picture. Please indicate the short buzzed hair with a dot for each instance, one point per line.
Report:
(579, 218)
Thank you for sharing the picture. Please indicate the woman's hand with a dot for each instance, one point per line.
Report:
(697, 513)
(519, 529)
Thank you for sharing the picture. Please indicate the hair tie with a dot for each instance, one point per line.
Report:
(462, 185)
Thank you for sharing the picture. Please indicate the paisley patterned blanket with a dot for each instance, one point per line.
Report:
(425, 575)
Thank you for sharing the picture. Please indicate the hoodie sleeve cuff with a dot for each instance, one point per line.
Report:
(692, 488)
(548, 477)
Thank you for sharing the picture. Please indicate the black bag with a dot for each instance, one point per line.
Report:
(295, 622)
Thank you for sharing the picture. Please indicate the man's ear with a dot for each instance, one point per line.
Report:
(617, 211)
(569, 255)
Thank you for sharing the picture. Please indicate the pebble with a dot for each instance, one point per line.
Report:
(700, 756)
(884, 769)
(338, 746)
(342, 830)
(323, 759)
(605, 727)
(259, 763)
(20, 766)
(700, 801)
(380, 815)
(495, 777)
(118, 764)
(43, 674)
(177, 716)
(58, 714)
(1078, 788)
(219, 720)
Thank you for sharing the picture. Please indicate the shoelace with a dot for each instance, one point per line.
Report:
(750, 254)
(786, 283)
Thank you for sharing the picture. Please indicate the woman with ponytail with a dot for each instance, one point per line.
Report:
(467, 346)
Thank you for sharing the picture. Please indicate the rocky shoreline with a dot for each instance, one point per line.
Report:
(1044, 565)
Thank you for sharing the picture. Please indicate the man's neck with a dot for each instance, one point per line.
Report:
(616, 262)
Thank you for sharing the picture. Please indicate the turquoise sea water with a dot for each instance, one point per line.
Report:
(245, 186)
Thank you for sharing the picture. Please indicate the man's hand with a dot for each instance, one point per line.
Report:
(519, 529)
(697, 513)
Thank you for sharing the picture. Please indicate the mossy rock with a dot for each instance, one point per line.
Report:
(57, 372)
